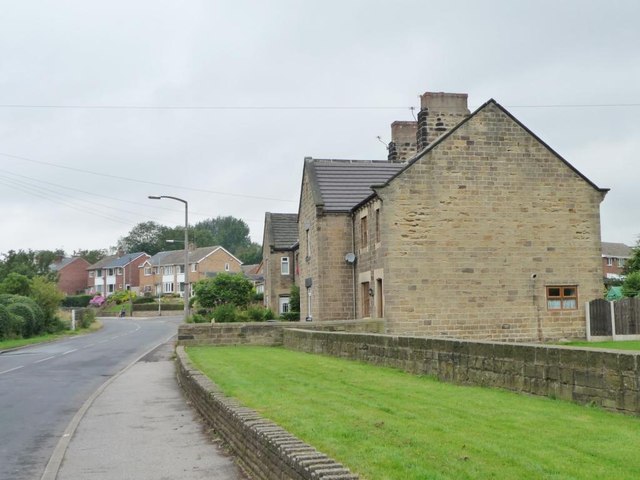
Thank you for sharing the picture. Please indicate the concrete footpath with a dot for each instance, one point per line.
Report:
(140, 427)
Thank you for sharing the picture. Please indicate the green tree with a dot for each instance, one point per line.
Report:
(16, 284)
(91, 256)
(633, 264)
(631, 285)
(229, 232)
(294, 299)
(249, 255)
(223, 289)
(145, 237)
(47, 296)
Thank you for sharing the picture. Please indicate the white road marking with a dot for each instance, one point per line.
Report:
(70, 351)
(45, 359)
(12, 369)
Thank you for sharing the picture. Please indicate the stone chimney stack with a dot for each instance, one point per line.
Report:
(439, 113)
(403, 141)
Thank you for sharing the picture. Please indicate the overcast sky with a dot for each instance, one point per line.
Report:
(281, 80)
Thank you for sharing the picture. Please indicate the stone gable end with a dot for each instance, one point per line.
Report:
(475, 229)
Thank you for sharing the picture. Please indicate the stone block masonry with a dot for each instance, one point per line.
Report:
(266, 450)
(610, 379)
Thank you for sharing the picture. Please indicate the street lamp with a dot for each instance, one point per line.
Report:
(186, 249)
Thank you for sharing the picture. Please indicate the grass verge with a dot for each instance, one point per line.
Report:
(386, 424)
(609, 345)
(21, 342)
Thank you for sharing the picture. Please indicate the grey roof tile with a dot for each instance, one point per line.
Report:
(617, 250)
(345, 183)
(284, 229)
(176, 257)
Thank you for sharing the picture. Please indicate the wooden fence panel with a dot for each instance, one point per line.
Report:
(627, 315)
(600, 312)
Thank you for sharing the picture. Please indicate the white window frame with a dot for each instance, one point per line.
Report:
(609, 262)
(284, 266)
(167, 287)
(148, 271)
(168, 270)
(284, 303)
(226, 267)
(194, 267)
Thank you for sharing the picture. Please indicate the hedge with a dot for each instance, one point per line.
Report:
(76, 300)
(148, 307)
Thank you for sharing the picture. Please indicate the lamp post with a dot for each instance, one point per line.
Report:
(186, 249)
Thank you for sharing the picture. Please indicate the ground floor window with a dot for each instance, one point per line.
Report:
(562, 297)
(110, 288)
(283, 305)
(168, 287)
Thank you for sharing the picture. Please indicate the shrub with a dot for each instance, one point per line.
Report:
(145, 299)
(10, 324)
(97, 301)
(16, 284)
(32, 318)
(48, 297)
(85, 317)
(224, 288)
(268, 314)
(76, 301)
(225, 313)
(121, 296)
(256, 314)
(198, 318)
(150, 307)
(631, 285)
(290, 316)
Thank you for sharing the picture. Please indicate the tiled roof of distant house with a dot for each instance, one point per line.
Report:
(284, 230)
(616, 250)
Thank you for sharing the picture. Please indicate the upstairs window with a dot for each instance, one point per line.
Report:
(226, 267)
(147, 271)
(364, 233)
(168, 270)
(110, 272)
(621, 262)
(609, 262)
(562, 298)
(377, 225)
(284, 265)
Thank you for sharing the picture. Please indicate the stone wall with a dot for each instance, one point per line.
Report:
(264, 334)
(610, 379)
(266, 450)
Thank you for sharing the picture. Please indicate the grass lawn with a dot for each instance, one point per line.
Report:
(626, 345)
(21, 342)
(386, 424)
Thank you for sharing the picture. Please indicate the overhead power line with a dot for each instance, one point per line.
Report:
(137, 180)
(284, 107)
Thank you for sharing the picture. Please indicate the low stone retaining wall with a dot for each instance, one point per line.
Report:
(608, 378)
(263, 333)
(266, 450)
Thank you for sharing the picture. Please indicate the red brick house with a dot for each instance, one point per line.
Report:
(72, 273)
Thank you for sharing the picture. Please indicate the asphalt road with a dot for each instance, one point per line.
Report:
(42, 387)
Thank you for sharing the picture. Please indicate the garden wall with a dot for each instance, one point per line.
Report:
(607, 378)
(266, 334)
(266, 450)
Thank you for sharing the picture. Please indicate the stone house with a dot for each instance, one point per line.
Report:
(163, 273)
(279, 244)
(72, 274)
(116, 273)
(614, 258)
(482, 231)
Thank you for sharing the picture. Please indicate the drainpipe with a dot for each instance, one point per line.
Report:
(353, 266)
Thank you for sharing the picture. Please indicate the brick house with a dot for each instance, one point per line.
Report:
(116, 273)
(279, 244)
(72, 274)
(163, 273)
(482, 231)
(614, 257)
